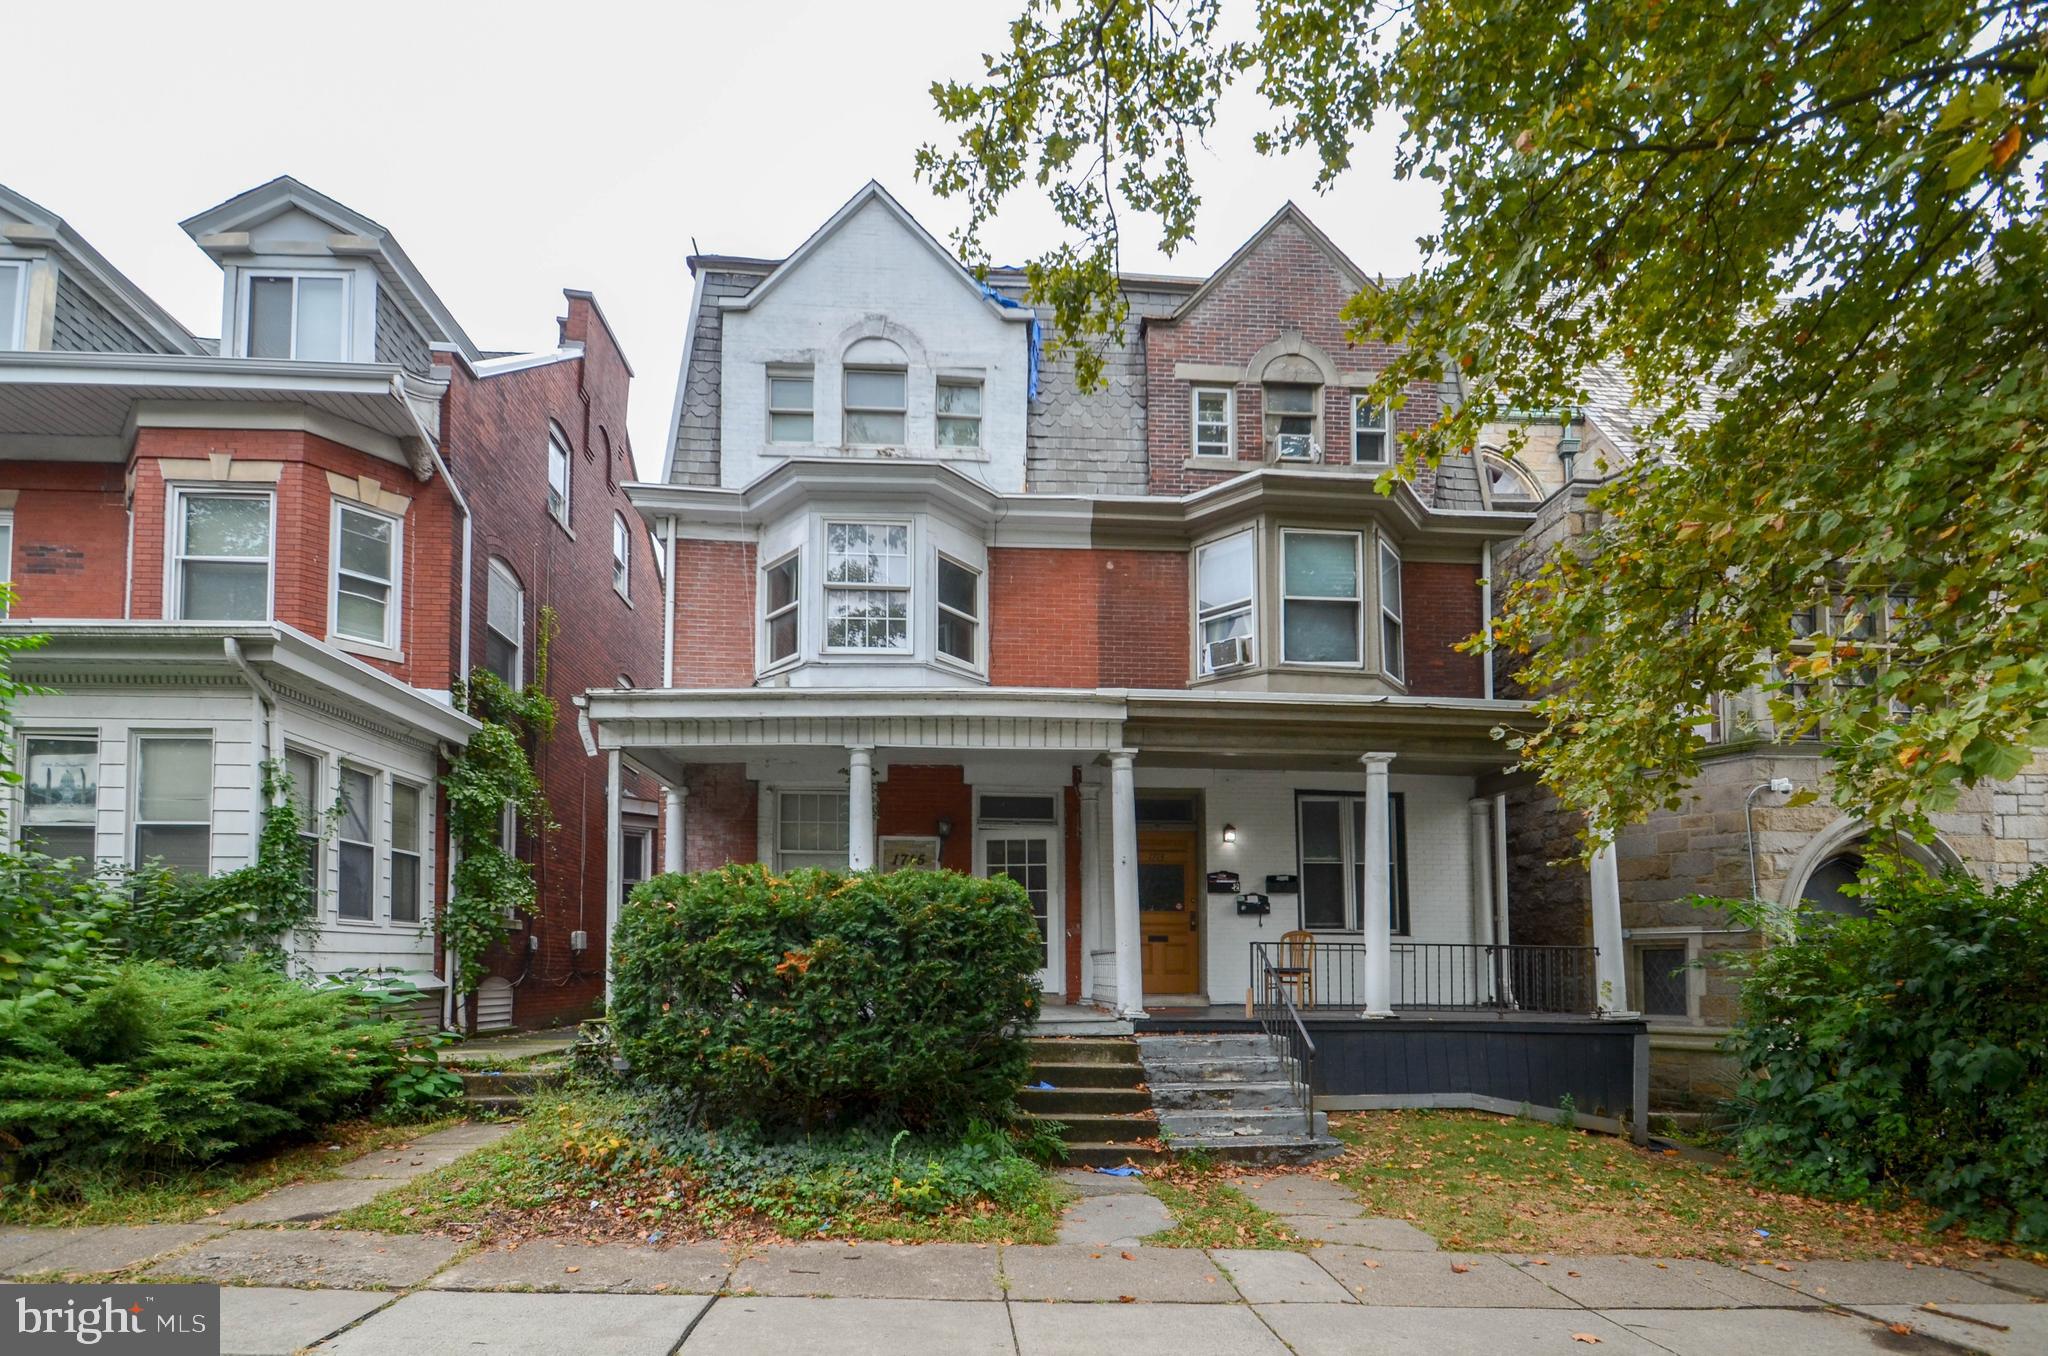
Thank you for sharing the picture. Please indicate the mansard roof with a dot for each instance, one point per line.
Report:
(89, 267)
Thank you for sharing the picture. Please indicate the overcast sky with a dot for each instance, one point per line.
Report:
(517, 149)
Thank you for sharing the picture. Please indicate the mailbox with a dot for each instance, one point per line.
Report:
(1283, 885)
(1254, 904)
(1223, 883)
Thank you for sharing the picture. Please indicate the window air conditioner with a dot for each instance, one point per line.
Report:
(1299, 447)
(1233, 652)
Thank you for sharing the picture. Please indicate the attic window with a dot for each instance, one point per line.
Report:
(875, 406)
(13, 303)
(1508, 481)
(297, 315)
(1293, 422)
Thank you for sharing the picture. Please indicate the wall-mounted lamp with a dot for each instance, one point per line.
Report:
(1230, 833)
(945, 828)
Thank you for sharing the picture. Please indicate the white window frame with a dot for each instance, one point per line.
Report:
(908, 589)
(342, 843)
(791, 372)
(418, 852)
(388, 642)
(793, 608)
(941, 418)
(783, 799)
(1636, 940)
(245, 289)
(499, 570)
(6, 554)
(14, 325)
(622, 556)
(1357, 599)
(1392, 611)
(1227, 450)
(136, 823)
(975, 623)
(1351, 813)
(558, 442)
(1274, 419)
(1385, 428)
(312, 831)
(849, 409)
(175, 556)
(1248, 607)
(17, 800)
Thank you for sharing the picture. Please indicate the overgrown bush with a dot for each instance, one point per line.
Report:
(1906, 1051)
(158, 1065)
(821, 997)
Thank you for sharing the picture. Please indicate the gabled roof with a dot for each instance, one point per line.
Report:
(873, 192)
(260, 204)
(1287, 213)
(91, 267)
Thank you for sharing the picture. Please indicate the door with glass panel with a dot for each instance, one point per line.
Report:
(1031, 857)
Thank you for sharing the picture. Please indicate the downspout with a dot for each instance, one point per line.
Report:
(1486, 617)
(668, 606)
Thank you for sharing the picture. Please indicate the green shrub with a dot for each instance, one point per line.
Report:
(1906, 1051)
(822, 998)
(156, 1065)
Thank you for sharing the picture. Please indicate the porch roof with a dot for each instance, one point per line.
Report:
(1168, 727)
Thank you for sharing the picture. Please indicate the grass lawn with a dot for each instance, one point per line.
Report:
(1499, 1183)
(574, 1169)
(65, 1196)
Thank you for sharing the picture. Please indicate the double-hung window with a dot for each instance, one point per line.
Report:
(304, 770)
(358, 845)
(13, 304)
(958, 410)
(558, 476)
(1322, 598)
(812, 829)
(221, 556)
(174, 802)
(875, 406)
(505, 625)
(1391, 657)
(6, 554)
(407, 834)
(298, 315)
(1331, 832)
(1292, 420)
(622, 557)
(1372, 432)
(959, 622)
(366, 556)
(60, 795)
(781, 605)
(791, 412)
(1224, 590)
(1213, 417)
(867, 586)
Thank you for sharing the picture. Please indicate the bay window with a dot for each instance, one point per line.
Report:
(875, 406)
(365, 592)
(959, 612)
(1224, 590)
(174, 802)
(1391, 658)
(780, 607)
(297, 315)
(221, 556)
(867, 586)
(1322, 598)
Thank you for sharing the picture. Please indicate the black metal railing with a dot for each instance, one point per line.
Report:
(1280, 1019)
(1437, 976)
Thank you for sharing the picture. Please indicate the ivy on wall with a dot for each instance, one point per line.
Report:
(495, 770)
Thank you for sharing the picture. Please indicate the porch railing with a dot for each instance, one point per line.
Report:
(1435, 976)
(1280, 1019)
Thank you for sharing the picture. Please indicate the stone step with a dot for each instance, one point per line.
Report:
(1083, 1049)
(1085, 1127)
(505, 1104)
(1263, 1149)
(1263, 1096)
(1100, 1155)
(1084, 1101)
(498, 1082)
(1231, 1045)
(1265, 1069)
(1239, 1123)
(1069, 1076)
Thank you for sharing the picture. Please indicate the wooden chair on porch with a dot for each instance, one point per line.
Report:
(1294, 969)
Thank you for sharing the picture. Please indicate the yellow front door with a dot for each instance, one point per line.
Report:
(1169, 912)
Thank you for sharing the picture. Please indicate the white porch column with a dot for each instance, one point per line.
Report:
(1379, 911)
(1091, 887)
(672, 827)
(1130, 955)
(860, 807)
(1610, 976)
(614, 863)
(1480, 845)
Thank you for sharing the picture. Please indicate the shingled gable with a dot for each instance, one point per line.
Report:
(221, 230)
(86, 265)
(1289, 214)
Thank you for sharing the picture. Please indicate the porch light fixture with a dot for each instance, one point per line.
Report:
(944, 828)
(1230, 833)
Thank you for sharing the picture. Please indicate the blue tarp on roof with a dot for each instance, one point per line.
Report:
(1011, 303)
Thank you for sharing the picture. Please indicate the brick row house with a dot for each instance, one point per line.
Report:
(286, 545)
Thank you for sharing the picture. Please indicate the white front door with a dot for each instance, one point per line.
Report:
(1031, 857)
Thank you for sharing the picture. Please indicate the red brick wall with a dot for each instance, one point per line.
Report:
(714, 635)
(70, 539)
(911, 800)
(1440, 607)
(1286, 283)
(1087, 618)
(721, 816)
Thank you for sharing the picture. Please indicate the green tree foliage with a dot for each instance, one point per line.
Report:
(822, 998)
(1809, 231)
(1907, 1050)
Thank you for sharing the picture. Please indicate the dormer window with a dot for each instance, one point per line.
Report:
(791, 412)
(1293, 425)
(875, 406)
(13, 304)
(302, 316)
(1505, 480)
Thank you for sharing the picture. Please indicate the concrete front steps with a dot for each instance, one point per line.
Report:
(1098, 1097)
(1231, 1095)
(506, 1091)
